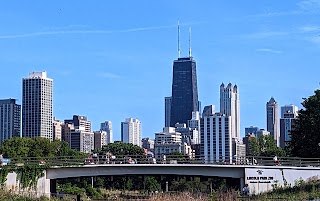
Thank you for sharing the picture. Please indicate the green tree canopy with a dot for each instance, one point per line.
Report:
(151, 184)
(122, 149)
(305, 135)
(264, 146)
(36, 147)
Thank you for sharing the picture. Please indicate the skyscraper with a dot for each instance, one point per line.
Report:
(194, 125)
(107, 126)
(77, 132)
(170, 141)
(208, 110)
(289, 113)
(131, 131)
(9, 119)
(81, 140)
(272, 119)
(100, 139)
(251, 130)
(184, 87)
(216, 139)
(184, 91)
(37, 106)
(189, 135)
(147, 144)
(199, 108)
(230, 106)
(167, 110)
(195, 121)
(79, 122)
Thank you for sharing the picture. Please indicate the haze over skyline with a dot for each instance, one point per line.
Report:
(111, 61)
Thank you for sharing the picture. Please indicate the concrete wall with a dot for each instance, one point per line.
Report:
(43, 186)
(265, 179)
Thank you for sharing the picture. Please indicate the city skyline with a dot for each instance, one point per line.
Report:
(71, 48)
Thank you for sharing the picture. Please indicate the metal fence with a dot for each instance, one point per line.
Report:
(140, 159)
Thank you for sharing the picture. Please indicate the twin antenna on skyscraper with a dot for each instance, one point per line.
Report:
(190, 50)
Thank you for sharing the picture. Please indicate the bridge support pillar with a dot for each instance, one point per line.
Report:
(92, 182)
(167, 186)
(241, 183)
(53, 186)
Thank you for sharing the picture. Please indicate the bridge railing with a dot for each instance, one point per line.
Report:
(141, 159)
(283, 161)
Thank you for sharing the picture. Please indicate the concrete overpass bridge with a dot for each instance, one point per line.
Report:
(232, 171)
(260, 178)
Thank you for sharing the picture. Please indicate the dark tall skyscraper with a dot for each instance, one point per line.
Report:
(184, 99)
(184, 90)
(9, 119)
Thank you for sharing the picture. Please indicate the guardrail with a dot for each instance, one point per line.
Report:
(140, 159)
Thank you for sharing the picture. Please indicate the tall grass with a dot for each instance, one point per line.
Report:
(304, 191)
(224, 196)
(8, 196)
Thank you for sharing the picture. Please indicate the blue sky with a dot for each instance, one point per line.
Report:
(113, 59)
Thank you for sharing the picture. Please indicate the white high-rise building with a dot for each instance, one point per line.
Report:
(170, 141)
(216, 138)
(131, 131)
(107, 126)
(230, 106)
(238, 150)
(195, 121)
(272, 119)
(167, 110)
(37, 106)
(194, 125)
(81, 140)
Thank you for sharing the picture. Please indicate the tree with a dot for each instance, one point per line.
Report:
(122, 149)
(151, 184)
(254, 148)
(264, 146)
(305, 135)
(16, 147)
(20, 148)
(194, 186)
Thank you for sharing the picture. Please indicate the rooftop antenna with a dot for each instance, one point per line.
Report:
(178, 39)
(190, 51)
